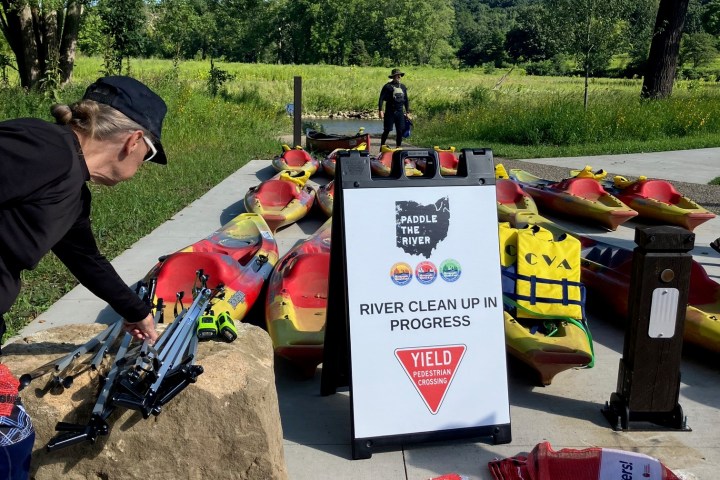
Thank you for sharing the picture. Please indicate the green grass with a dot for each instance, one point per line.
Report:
(557, 125)
(206, 139)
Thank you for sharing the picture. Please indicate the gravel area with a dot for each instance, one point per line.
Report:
(706, 195)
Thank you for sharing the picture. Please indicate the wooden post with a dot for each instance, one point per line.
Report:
(297, 113)
(648, 385)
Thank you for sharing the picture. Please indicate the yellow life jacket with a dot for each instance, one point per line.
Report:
(546, 272)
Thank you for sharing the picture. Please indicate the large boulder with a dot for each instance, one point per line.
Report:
(226, 425)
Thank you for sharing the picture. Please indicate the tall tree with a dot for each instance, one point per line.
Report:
(418, 31)
(184, 28)
(664, 49)
(123, 23)
(534, 36)
(43, 36)
(594, 30)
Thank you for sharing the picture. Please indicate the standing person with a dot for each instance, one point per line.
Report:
(394, 95)
(45, 203)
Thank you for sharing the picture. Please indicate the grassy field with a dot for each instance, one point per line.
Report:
(519, 116)
(207, 138)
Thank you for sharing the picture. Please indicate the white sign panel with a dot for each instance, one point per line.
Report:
(425, 309)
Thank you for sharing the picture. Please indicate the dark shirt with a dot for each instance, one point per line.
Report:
(387, 95)
(45, 205)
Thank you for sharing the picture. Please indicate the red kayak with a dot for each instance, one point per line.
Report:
(513, 204)
(295, 160)
(328, 163)
(606, 271)
(240, 256)
(325, 196)
(582, 199)
(448, 161)
(296, 301)
(281, 200)
(658, 200)
(381, 165)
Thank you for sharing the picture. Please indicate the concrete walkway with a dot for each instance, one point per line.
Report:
(566, 413)
(692, 166)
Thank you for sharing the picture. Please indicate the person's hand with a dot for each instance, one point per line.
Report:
(381, 114)
(409, 115)
(144, 329)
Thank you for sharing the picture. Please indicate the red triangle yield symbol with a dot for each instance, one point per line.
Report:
(431, 370)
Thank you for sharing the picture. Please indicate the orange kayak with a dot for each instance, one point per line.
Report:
(240, 256)
(296, 301)
(281, 200)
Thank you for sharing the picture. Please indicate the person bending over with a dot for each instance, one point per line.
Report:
(45, 205)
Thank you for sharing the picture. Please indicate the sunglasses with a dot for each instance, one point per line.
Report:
(152, 151)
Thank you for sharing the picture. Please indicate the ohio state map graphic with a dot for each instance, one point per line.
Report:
(420, 228)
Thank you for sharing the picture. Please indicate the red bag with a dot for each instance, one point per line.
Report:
(543, 463)
(8, 391)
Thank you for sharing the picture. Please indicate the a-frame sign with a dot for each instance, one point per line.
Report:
(414, 323)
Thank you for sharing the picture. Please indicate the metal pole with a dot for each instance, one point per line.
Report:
(297, 112)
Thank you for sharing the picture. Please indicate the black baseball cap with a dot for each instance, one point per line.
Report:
(136, 101)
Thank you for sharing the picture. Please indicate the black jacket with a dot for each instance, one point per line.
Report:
(387, 96)
(45, 205)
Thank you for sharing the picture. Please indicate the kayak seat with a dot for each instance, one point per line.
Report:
(703, 289)
(448, 160)
(584, 187)
(385, 158)
(508, 192)
(659, 190)
(178, 273)
(296, 158)
(276, 193)
(307, 280)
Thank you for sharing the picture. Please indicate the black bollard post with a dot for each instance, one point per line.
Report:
(648, 384)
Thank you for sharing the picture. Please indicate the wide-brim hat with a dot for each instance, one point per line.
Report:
(134, 99)
(396, 71)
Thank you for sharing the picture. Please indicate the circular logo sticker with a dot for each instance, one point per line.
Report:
(450, 270)
(401, 273)
(426, 272)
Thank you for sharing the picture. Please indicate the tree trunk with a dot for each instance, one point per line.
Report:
(41, 38)
(71, 28)
(30, 70)
(664, 49)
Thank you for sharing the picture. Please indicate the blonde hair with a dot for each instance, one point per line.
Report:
(96, 120)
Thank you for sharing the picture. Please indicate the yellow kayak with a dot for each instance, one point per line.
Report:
(549, 352)
(296, 302)
(281, 200)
